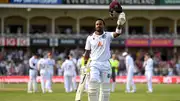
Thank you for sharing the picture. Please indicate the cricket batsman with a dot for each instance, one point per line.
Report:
(98, 49)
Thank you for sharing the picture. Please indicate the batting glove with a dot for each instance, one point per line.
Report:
(87, 70)
(121, 19)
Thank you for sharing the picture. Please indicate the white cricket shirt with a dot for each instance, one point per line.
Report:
(99, 46)
(33, 62)
(129, 62)
(68, 67)
(50, 64)
(42, 63)
(148, 65)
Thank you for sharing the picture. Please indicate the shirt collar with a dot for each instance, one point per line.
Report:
(99, 35)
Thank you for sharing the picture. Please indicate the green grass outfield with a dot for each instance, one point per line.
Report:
(162, 92)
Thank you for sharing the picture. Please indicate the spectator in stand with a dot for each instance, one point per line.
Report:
(156, 63)
(156, 71)
(163, 68)
(26, 67)
(139, 67)
(10, 68)
(172, 65)
(122, 66)
(167, 67)
(59, 69)
(1, 56)
(3, 68)
(177, 67)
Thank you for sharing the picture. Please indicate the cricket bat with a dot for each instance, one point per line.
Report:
(82, 85)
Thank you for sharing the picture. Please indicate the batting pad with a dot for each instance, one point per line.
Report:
(93, 91)
(104, 92)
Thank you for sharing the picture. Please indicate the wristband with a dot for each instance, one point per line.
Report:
(118, 30)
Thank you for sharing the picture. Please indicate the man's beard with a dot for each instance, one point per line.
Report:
(99, 30)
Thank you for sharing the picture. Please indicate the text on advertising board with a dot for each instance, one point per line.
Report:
(23, 42)
(40, 41)
(67, 41)
(1, 41)
(10, 41)
(138, 2)
(37, 1)
(119, 79)
(161, 42)
(169, 2)
(106, 2)
(137, 42)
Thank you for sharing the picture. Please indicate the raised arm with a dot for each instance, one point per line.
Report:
(120, 22)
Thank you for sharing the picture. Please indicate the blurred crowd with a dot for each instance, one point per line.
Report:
(15, 62)
(164, 65)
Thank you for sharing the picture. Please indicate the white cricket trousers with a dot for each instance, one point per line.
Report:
(74, 84)
(49, 80)
(68, 83)
(32, 84)
(43, 80)
(149, 75)
(129, 80)
(99, 81)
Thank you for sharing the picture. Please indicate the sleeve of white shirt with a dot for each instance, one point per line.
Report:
(150, 63)
(110, 35)
(54, 63)
(144, 64)
(127, 62)
(63, 66)
(75, 61)
(39, 63)
(31, 63)
(79, 63)
(88, 45)
(74, 68)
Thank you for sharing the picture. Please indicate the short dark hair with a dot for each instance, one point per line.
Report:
(149, 55)
(67, 57)
(36, 54)
(101, 20)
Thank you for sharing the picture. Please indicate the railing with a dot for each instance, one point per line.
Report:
(80, 36)
(46, 35)
(163, 36)
(169, 36)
